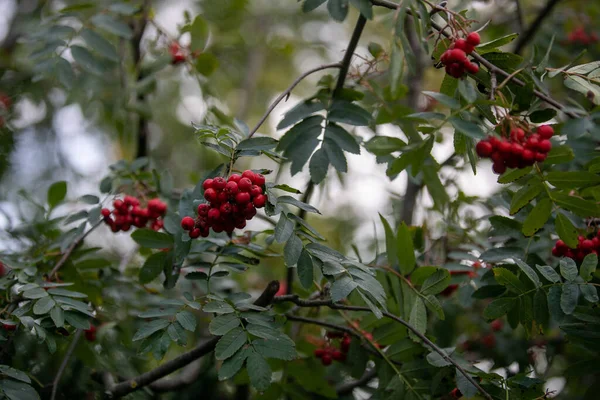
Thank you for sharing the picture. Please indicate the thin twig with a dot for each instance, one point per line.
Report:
(493, 83)
(328, 303)
(64, 363)
(526, 37)
(145, 379)
(70, 250)
(520, 22)
(287, 93)
(491, 67)
(348, 387)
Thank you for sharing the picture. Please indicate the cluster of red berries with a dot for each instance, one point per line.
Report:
(90, 334)
(328, 353)
(455, 57)
(178, 53)
(584, 247)
(519, 150)
(580, 36)
(128, 213)
(231, 203)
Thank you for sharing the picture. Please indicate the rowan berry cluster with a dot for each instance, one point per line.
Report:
(580, 36)
(328, 352)
(230, 203)
(177, 54)
(455, 57)
(519, 149)
(128, 213)
(584, 247)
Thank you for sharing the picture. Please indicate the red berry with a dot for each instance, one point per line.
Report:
(473, 39)
(455, 70)
(461, 44)
(259, 179)
(497, 325)
(9, 326)
(187, 223)
(504, 147)
(249, 211)
(225, 208)
(105, 212)
(245, 185)
(528, 156)
(472, 68)
(234, 178)
(260, 201)
(449, 290)
(587, 245)
(214, 214)
(457, 55)
(90, 334)
(203, 209)
(345, 345)
(326, 359)
(532, 143)
(455, 393)
(338, 355)
(207, 184)
(195, 233)
(222, 197)
(210, 194)
(545, 131)
(255, 190)
(219, 183)
(319, 353)
(516, 149)
(484, 148)
(556, 252)
(489, 341)
(540, 157)
(499, 168)
(334, 334)
(248, 174)
(545, 146)
(242, 197)
(231, 188)
(241, 224)
(118, 204)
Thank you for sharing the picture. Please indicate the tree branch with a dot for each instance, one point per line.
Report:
(287, 92)
(529, 34)
(136, 42)
(348, 387)
(70, 250)
(145, 379)
(64, 363)
(186, 377)
(328, 303)
(491, 67)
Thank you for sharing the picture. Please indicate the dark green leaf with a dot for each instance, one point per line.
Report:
(338, 9)
(15, 390)
(100, 44)
(444, 99)
(568, 297)
(152, 239)
(566, 230)
(187, 320)
(14, 373)
(318, 166)
(539, 116)
(467, 90)
(292, 250)
(568, 269)
(418, 318)
(301, 205)
(259, 371)
(527, 270)
(572, 179)
(506, 278)
(111, 25)
(232, 365)
(77, 320)
(364, 6)
(588, 266)
(384, 145)
(149, 328)
(305, 269)
(405, 248)
(58, 316)
(257, 143)
(560, 154)
(524, 195)
(549, 273)
(284, 228)
(581, 207)
(467, 389)
(514, 174)
(222, 324)
(494, 44)
(335, 155)
(153, 266)
(436, 283)
(499, 307)
(282, 349)
(43, 305)
(348, 113)
(300, 112)
(342, 287)
(343, 139)
(56, 193)
(541, 315)
(467, 128)
(199, 32)
(86, 60)
(488, 291)
(230, 343)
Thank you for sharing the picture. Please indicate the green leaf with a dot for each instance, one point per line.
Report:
(14, 373)
(401, 163)
(318, 166)
(560, 154)
(364, 6)
(232, 365)
(152, 239)
(494, 44)
(406, 252)
(348, 113)
(35, 293)
(152, 267)
(301, 205)
(338, 9)
(436, 283)
(583, 86)
(111, 25)
(100, 44)
(581, 207)
(219, 307)
(549, 273)
(384, 145)
(527, 270)
(566, 230)
(467, 128)
(497, 308)
(489, 291)
(310, 5)
(56, 193)
(264, 331)
(257, 143)
(177, 333)
(123, 8)
(435, 187)
(342, 287)
(343, 139)
(58, 316)
(572, 179)
(284, 228)
(335, 155)
(524, 195)
(514, 174)
(222, 324)
(77, 320)
(539, 116)
(537, 217)
(390, 242)
(435, 359)
(305, 269)
(418, 318)
(299, 112)
(230, 343)
(568, 269)
(43, 305)
(541, 315)
(506, 278)
(434, 305)
(206, 63)
(467, 389)
(259, 371)
(187, 320)
(588, 267)
(307, 130)
(292, 250)
(86, 60)
(282, 349)
(467, 90)
(589, 292)
(568, 297)
(14, 390)
(396, 68)
(149, 328)
(444, 99)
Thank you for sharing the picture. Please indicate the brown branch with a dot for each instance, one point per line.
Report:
(334, 306)
(491, 67)
(70, 250)
(526, 37)
(188, 376)
(287, 92)
(145, 379)
(64, 363)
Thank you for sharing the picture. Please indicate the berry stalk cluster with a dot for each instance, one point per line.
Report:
(455, 57)
(231, 203)
(584, 247)
(519, 149)
(128, 213)
(327, 353)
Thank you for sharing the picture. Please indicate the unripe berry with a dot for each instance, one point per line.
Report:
(473, 39)
(245, 185)
(242, 197)
(207, 184)
(219, 183)
(484, 148)
(545, 131)
(187, 223)
(194, 233)
(210, 194)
